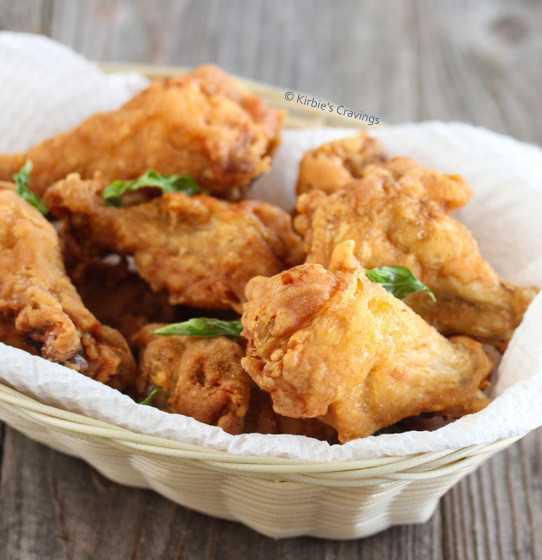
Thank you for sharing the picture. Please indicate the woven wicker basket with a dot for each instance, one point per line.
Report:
(275, 496)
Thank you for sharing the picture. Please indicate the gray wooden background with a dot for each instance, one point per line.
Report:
(471, 60)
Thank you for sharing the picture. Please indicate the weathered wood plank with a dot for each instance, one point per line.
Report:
(31, 16)
(478, 63)
(2, 429)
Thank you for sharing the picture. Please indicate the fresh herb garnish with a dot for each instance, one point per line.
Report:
(22, 179)
(148, 400)
(166, 183)
(398, 280)
(203, 326)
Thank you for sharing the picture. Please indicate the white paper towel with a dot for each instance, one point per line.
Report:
(505, 216)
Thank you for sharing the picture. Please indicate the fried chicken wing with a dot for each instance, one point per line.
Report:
(204, 123)
(333, 345)
(40, 310)
(198, 377)
(334, 166)
(395, 224)
(200, 249)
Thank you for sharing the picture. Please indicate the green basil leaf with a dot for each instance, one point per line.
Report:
(166, 183)
(148, 400)
(22, 180)
(398, 280)
(203, 326)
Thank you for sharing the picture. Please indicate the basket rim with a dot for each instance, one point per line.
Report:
(87, 427)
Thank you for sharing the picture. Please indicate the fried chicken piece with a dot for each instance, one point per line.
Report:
(333, 345)
(204, 124)
(198, 377)
(334, 166)
(200, 249)
(395, 224)
(40, 309)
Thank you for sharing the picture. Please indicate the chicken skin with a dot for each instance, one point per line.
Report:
(333, 345)
(396, 223)
(40, 310)
(449, 191)
(334, 165)
(200, 249)
(198, 377)
(204, 124)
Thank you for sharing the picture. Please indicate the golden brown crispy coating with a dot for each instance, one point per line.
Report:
(8, 185)
(395, 224)
(335, 164)
(203, 123)
(200, 249)
(332, 344)
(450, 191)
(199, 377)
(39, 305)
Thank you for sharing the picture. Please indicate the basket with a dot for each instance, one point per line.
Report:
(277, 497)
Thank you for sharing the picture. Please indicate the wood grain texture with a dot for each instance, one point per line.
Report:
(30, 16)
(471, 60)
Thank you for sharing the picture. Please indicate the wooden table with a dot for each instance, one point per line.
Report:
(401, 60)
